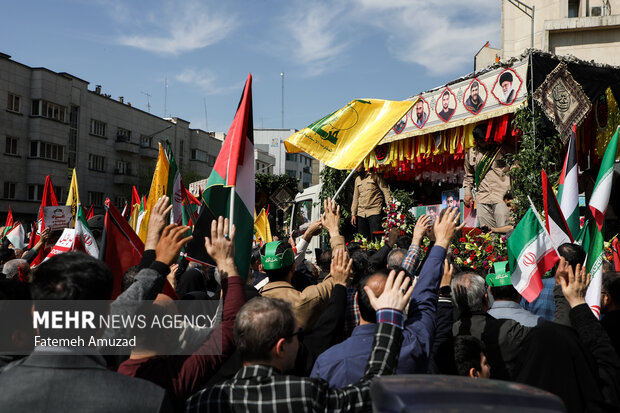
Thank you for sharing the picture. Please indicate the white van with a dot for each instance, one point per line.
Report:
(306, 209)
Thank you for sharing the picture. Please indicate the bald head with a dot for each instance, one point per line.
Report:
(376, 282)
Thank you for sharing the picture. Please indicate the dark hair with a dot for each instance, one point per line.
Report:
(475, 83)
(259, 325)
(508, 195)
(6, 254)
(360, 265)
(324, 260)
(404, 241)
(255, 255)
(367, 312)
(467, 350)
(573, 254)
(396, 257)
(505, 292)
(480, 133)
(445, 93)
(281, 273)
(129, 276)
(72, 276)
(611, 284)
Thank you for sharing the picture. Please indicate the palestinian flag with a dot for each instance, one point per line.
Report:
(592, 241)
(568, 189)
(554, 220)
(90, 213)
(49, 199)
(602, 188)
(230, 188)
(17, 235)
(531, 254)
(174, 190)
(8, 224)
(84, 239)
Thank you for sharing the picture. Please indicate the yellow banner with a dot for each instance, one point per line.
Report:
(73, 198)
(158, 189)
(345, 137)
(261, 224)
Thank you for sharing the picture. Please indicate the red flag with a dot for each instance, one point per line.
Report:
(9, 218)
(615, 247)
(191, 198)
(91, 213)
(135, 198)
(49, 199)
(121, 248)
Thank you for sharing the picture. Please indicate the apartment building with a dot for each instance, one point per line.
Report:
(53, 123)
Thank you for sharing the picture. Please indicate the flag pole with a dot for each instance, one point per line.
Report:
(232, 210)
(346, 180)
(542, 225)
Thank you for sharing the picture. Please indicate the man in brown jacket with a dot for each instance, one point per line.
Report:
(279, 264)
(369, 196)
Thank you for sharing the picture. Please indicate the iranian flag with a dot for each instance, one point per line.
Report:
(602, 188)
(554, 219)
(592, 241)
(568, 190)
(531, 255)
(230, 188)
(84, 239)
(174, 190)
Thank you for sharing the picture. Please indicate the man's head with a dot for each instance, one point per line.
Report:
(573, 254)
(264, 332)
(474, 91)
(278, 260)
(14, 268)
(395, 257)
(419, 109)
(71, 276)
(508, 197)
(505, 81)
(450, 201)
(610, 291)
(129, 276)
(255, 260)
(480, 135)
(6, 254)
(469, 357)
(324, 261)
(360, 265)
(469, 292)
(445, 100)
(376, 282)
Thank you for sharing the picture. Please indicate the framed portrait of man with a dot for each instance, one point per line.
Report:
(445, 105)
(507, 86)
(475, 96)
(419, 113)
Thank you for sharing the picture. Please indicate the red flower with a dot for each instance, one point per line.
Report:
(462, 240)
(456, 251)
(489, 248)
(472, 257)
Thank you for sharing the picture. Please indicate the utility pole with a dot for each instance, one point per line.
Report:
(148, 101)
(166, 97)
(206, 118)
(282, 76)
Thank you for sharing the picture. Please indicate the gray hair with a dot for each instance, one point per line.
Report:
(259, 325)
(468, 290)
(11, 267)
(395, 257)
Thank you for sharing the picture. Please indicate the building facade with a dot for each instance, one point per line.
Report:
(53, 123)
(264, 162)
(587, 29)
(297, 165)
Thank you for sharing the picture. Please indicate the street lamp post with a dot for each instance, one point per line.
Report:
(282, 76)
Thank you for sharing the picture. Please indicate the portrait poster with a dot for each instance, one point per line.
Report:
(450, 199)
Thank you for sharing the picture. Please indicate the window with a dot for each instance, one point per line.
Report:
(123, 135)
(35, 192)
(181, 147)
(10, 147)
(96, 163)
(49, 110)
(121, 168)
(145, 141)
(97, 127)
(291, 156)
(211, 160)
(13, 103)
(198, 155)
(58, 192)
(120, 201)
(95, 198)
(291, 173)
(9, 190)
(46, 150)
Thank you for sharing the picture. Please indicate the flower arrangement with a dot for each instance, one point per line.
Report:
(608, 249)
(394, 218)
(479, 251)
(368, 245)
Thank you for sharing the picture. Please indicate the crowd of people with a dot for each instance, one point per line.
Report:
(301, 336)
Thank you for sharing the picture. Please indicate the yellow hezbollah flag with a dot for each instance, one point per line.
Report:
(261, 224)
(73, 198)
(345, 137)
(159, 185)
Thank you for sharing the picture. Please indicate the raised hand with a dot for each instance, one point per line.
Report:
(158, 219)
(340, 268)
(396, 293)
(170, 243)
(421, 226)
(331, 217)
(445, 227)
(221, 247)
(574, 285)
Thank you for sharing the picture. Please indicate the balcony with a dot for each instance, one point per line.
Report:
(125, 178)
(122, 144)
(148, 152)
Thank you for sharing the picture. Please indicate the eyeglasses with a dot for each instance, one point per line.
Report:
(299, 333)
